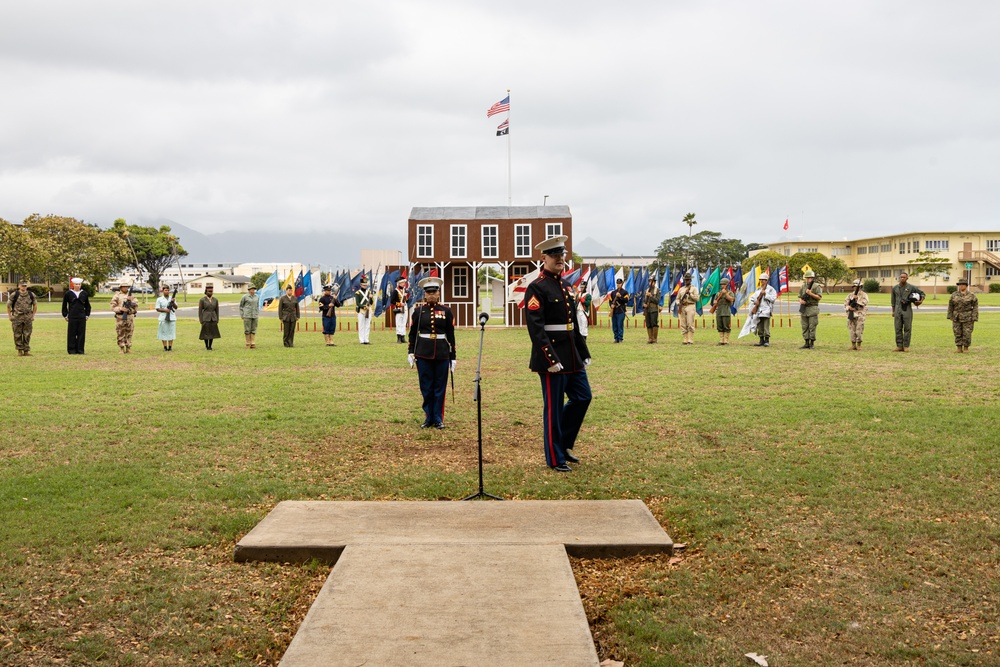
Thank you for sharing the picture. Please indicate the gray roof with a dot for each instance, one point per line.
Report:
(488, 212)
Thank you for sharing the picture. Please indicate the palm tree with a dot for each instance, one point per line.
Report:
(690, 221)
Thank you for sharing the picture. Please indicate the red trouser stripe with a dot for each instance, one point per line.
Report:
(548, 433)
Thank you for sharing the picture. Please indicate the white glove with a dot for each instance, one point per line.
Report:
(586, 362)
(556, 368)
(410, 358)
(454, 364)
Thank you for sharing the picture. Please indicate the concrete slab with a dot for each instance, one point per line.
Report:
(446, 606)
(297, 531)
(449, 584)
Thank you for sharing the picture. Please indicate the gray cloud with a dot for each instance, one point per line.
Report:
(847, 118)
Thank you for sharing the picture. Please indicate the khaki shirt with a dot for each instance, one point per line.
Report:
(123, 303)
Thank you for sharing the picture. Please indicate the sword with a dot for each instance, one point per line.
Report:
(452, 373)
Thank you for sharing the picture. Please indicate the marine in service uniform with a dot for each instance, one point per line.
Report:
(856, 305)
(21, 308)
(328, 305)
(651, 306)
(124, 306)
(904, 297)
(166, 331)
(619, 301)
(364, 300)
(208, 315)
(559, 355)
(398, 301)
(721, 308)
(288, 313)
(963, 311)
(76, 312)
(687, 308)
(809, 297)
(250, 314)
(432, 349)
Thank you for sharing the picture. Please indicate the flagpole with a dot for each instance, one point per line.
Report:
(508, 150)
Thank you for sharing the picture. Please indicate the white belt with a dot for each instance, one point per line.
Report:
(559, 327)
(432, 336)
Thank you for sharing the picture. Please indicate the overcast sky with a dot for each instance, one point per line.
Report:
(849, 118)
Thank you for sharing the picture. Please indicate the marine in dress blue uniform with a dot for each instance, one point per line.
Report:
(432, 348)
(559, 355)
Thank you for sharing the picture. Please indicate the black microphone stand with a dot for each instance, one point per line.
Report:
(478, 398)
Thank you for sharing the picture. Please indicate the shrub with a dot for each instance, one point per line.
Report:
(871, 286)
(994, 288)
(952, 289)
(40, 291)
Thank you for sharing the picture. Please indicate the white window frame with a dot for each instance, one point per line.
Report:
(553, 229)
(462, 236)
(938, 245)
(992, 245)
(460, 282)
(525, 247)
(491, 252)
(425, 251)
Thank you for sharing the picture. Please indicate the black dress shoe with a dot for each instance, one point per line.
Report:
(571, 459)
(426, 424)
(439, 425)
(562, 468)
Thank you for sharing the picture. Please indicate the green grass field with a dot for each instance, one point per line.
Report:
(837, 507)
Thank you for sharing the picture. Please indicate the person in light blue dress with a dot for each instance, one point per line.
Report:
(166, 307)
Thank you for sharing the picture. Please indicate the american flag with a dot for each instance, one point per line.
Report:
(503, 128)
(499, 107)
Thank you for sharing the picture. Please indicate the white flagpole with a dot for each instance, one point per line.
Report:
(508, 148)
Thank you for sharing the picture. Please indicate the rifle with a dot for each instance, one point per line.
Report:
(756, 305)
(128, 298)
(172, 306)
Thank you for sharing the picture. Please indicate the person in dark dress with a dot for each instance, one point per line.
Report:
(208, 315)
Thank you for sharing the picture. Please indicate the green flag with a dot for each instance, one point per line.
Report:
(709, 289)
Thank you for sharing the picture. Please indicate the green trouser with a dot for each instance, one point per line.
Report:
(963, 332)
(249, 325)
(22, 334)
(723, 323)
(903, 321)
(809, 323)
(764, 327)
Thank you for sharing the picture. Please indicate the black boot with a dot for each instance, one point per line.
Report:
(761, 343)
(767, 341)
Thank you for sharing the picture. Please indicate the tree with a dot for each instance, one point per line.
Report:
(830, 271)
(70, 247)
(765, 259)
(704, 249)
(151, 250)
(929, 264)
(258, 279)
(690, 222)
(19, 252)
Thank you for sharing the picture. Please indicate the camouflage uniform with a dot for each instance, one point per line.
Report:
(963, 311)
(856, 316)
(124, 307)
(22, 316)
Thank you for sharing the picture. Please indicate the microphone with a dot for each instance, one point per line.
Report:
(483, 319)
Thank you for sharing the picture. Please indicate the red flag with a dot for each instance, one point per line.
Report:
(786, 225)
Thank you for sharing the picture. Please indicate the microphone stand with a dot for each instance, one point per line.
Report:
(478, 398)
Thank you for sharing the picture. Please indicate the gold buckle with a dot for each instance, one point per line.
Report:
(569, 326)
(433, 336)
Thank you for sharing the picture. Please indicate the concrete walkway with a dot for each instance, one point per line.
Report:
(449, 583)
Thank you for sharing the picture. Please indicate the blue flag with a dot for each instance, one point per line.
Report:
(737, 284)
(270, 291)
(696, 284)
(665, 284)
(383, 292)
(307, 286)
(416, 291)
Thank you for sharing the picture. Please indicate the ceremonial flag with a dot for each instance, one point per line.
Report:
(602, 284)
(736, 284)
(609, 281)
(515, 291)
(499, 107)
(630, 284)
(503, 128)
(299, 288)
(380, 298)
(270, 290)
(585, 277)
(416, 291)
(665, 284)
(783, 279)
(572, 277)
(593, 289)
(747, 288)
(710, 288)
(290, 280)
(786, 225)
(773, 279)
(641, 284)
(673, 293)
(315, 286)
(696, 286)
(345, 290)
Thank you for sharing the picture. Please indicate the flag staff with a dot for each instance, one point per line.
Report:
(508, 152)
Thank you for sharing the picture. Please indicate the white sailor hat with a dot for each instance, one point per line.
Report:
(432, 283)
(553, 246)
(76, 281)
